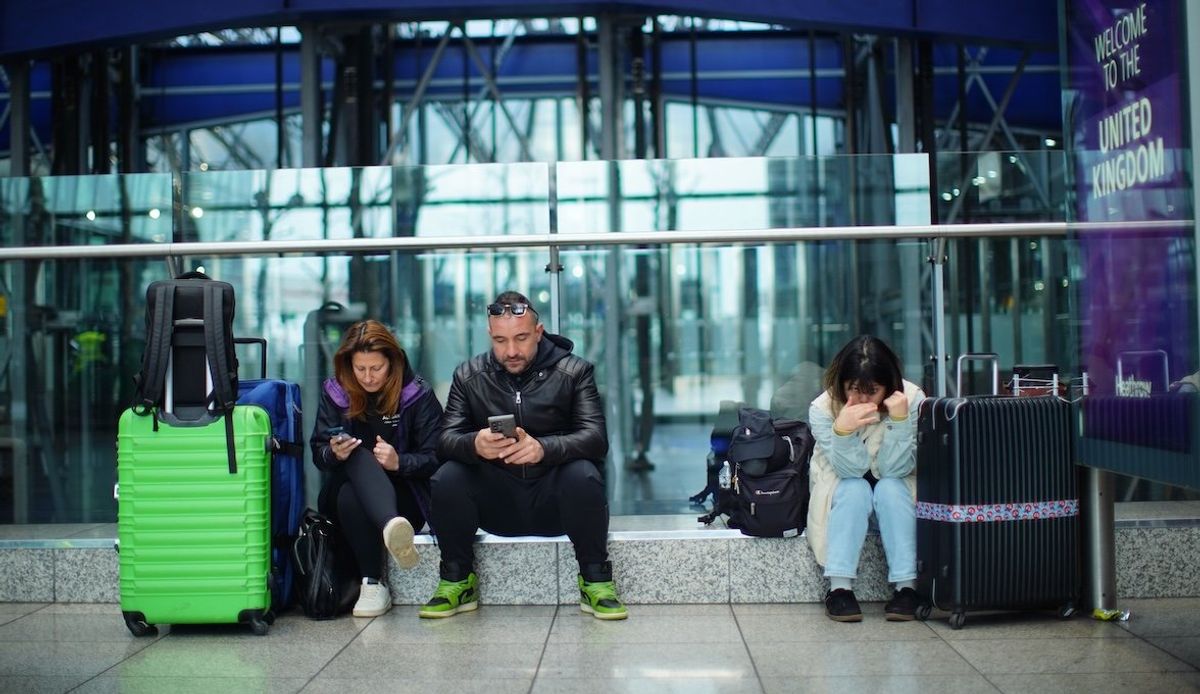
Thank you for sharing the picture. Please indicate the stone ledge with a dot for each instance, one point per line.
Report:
(650, 566)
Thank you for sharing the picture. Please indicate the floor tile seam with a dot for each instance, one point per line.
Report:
(1194, 668)
(27, 614)
(960, 654)
(334, 657)
(1081, 637)
(1165, 635)
(537, 668)
(988, 679)
(108, 669)
(746, 646)
(816, 639)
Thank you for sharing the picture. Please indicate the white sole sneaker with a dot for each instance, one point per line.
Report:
(398, 538)
(373, 601)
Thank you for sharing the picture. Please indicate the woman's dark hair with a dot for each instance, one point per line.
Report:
(370, 336)
(865, 362)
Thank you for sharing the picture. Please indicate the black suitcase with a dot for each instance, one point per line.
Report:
(997, 504)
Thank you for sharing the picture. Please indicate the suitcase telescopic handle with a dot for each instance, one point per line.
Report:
(979, 356)
(262, 351)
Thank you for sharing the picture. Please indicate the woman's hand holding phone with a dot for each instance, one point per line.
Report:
(341, 443)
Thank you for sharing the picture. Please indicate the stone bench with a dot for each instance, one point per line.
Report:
(1157, 550)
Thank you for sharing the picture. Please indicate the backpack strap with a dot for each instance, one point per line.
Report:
(152, 377)
(224, 375)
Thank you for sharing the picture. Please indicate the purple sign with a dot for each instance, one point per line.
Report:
(1125, 109)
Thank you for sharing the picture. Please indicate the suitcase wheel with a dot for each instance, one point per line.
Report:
(260, 621)
(138, 626)
(957, 619)
(923, 611)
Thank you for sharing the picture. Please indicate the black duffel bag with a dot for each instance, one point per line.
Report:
(326, 581)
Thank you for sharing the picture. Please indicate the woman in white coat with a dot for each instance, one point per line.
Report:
(864, 462)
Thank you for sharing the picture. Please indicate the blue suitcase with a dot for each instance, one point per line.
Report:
(281, 400)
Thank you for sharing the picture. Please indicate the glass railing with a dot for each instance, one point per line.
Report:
(685, 282)
(1008, 295)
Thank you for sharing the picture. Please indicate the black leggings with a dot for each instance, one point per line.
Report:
(367, 499)
(568, 499)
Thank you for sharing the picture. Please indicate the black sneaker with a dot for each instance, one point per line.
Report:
(842, 606)
(903, 605)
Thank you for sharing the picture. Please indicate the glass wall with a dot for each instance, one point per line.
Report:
(678, 328)
(1011, 296)
(673, 328)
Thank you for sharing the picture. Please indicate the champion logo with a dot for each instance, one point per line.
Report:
(765, 492)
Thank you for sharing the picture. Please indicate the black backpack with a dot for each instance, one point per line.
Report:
(768, 460)
(326, 581)
(189, 349)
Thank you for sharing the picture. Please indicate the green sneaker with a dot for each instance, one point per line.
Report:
(599, 599)
(452, 597)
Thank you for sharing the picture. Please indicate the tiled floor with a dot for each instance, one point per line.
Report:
(663, 648)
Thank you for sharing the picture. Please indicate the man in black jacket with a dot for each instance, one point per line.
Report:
(544, 479)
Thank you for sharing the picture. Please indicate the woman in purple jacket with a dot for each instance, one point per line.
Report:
(376, 434)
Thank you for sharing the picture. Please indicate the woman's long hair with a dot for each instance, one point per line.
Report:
(370, 336)
(865, 361)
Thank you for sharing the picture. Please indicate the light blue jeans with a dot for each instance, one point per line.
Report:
(895, 512)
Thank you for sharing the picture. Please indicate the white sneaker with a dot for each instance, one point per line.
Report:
(373, 600)
(398, 538)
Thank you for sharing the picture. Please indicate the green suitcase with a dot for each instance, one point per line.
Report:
(194, 539)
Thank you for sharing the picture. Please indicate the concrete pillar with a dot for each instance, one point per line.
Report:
(310, 96)
(19, 123)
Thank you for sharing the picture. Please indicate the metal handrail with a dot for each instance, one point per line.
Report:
(494, 242)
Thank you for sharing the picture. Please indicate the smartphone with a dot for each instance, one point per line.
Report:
(336, 433)
(503, 424)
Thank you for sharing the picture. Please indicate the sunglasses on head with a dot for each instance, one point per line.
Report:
(517, 309)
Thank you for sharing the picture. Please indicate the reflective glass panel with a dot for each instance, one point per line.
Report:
(676, 329)
(85, 210)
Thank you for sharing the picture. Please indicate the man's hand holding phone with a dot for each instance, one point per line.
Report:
(341, 443)
(504, 440)
(499, 434)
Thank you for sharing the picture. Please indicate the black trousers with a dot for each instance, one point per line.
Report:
(568, 499)
(367, 499)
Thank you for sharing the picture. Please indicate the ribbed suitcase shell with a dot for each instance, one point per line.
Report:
(194, 540)
(1004, 456)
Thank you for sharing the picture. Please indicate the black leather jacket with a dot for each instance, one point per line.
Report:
(555, 400)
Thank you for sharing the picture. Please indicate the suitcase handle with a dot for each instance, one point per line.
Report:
(262, 345)
(979, 356)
